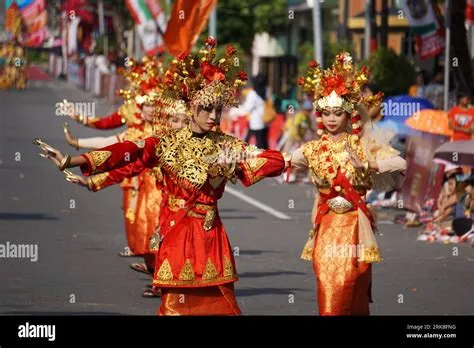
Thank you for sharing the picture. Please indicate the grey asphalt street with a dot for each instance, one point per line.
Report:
(79, 233)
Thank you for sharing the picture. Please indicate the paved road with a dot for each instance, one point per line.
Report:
(79, 234)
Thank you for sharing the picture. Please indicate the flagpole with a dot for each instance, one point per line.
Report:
(367, 32)
(213, 23)
(447, 22)
(317, 33)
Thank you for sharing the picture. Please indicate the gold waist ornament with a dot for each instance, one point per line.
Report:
(339, 205)
(210, 210)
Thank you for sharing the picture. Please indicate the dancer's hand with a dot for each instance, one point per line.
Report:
(356, 161)
(69, 138)
(49, 152)
(75, 179)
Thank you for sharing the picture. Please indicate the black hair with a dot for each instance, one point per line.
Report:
(259, 83)
(461, 95)
(373, 87)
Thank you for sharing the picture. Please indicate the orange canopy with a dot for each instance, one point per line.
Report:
(430, 121)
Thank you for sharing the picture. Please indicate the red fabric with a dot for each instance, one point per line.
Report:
(461, 118)
(109, 122)
(121, 155)
(181, 32)
(349, 193)
(274, 166)
(275, 130)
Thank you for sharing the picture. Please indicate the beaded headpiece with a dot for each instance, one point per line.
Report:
(202, 79)
(339, 86)
(143, 80)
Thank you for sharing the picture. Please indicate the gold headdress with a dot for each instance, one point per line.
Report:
(143, 80)
(339, 86)
(202, 79)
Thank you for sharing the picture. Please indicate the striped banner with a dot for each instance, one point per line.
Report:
(31, 11)
(35, 39)
(139, 11)
(147, 15)
(35, 18)
(424, 24)
(470, 12)
(38, 22)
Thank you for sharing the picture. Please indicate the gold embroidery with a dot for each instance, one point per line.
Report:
(192, 159)
(130, 215)
(164, 272)
(187, 273)
(209, 220)
(228, 268)
(177, 282)
(325, 157)
(210, 271)
(251, 174)
(256, 163)
(98, 158)
(98, 180)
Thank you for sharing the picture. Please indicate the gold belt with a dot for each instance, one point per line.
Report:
(339, 205)
(209, 211)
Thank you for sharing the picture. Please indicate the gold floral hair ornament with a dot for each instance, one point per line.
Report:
(141, 78)
(204, 79)
(339, 86)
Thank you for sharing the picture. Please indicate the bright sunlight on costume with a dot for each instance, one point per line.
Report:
(195, 267)
(344, 165)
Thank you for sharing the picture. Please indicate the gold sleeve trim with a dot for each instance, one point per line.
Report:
(98, 180)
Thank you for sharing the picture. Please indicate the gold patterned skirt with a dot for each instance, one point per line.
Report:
(343, 282)
(212, 300)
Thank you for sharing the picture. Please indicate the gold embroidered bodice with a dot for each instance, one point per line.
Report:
(195, 160)
(326, 157)
(139, 132)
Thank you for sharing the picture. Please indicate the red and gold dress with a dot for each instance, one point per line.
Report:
(141, 198)
(342, 244)
(195, 267)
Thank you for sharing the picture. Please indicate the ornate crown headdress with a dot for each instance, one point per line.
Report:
(339, 86)
(202, 79)
(143, 80)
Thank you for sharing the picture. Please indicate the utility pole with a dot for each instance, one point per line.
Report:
(213, 23)
(384, 24)
(367, 32)
(447, 21)
(317, 33)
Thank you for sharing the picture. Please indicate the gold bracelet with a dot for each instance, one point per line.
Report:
(90, 184)
(64, 162)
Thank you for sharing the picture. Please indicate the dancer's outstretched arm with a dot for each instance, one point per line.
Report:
(259, 164)
(107, 158)
(92, 143)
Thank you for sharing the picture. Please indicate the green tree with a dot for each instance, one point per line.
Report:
(239, 20)
(393, 74)
(330, 50)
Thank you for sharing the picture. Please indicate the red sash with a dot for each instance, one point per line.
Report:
(348, 192)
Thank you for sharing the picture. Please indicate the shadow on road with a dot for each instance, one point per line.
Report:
(267, 274)
(267, 291)
(32, 216)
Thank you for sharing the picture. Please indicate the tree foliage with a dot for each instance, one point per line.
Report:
(330, 50)
(392, 73)
(239, 20)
